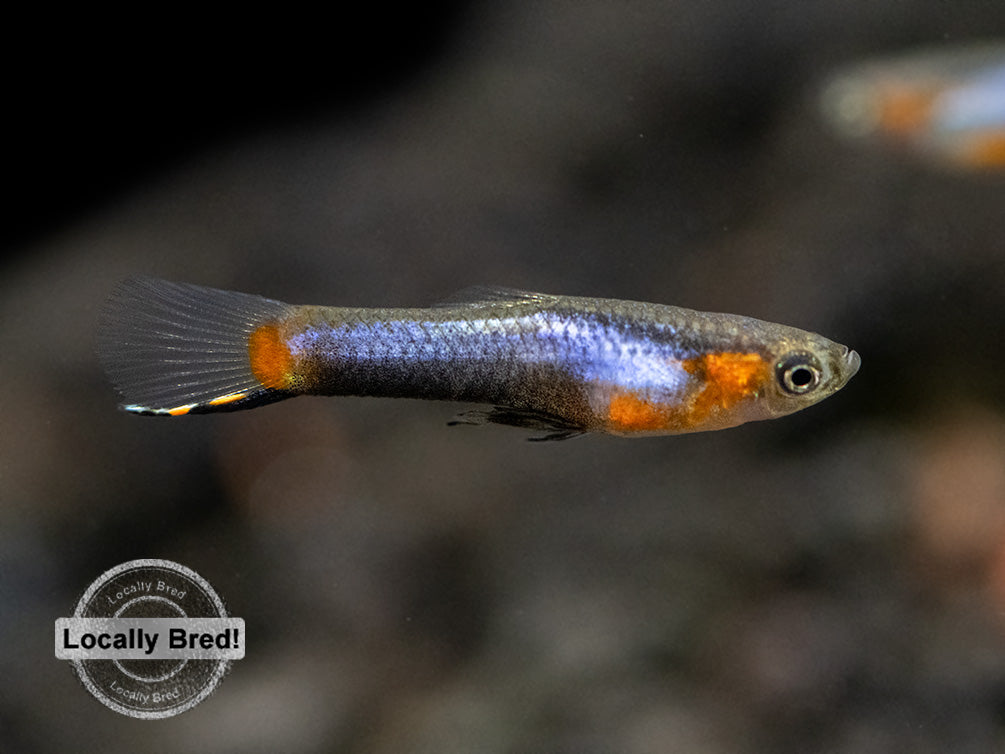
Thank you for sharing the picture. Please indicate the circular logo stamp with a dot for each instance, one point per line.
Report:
(150, 639)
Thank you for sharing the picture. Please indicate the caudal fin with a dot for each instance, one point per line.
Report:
(173, 348)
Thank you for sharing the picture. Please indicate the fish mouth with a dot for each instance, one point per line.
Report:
(850, 362)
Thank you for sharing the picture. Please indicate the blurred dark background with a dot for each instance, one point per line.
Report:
(98, 107)
(833, 581)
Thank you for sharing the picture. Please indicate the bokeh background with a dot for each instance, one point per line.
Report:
(830, 582)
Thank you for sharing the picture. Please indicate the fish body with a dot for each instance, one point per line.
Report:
(560, 364)
(947, 105)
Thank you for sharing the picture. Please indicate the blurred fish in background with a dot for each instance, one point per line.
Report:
(945, 104)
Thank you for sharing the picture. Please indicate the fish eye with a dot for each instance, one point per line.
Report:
(798, 373)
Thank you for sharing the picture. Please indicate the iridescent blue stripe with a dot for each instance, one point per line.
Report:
(976, 105)
(585, 348)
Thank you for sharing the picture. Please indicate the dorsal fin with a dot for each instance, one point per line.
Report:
(485, 295)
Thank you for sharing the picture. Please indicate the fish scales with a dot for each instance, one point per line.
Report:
(466, 359)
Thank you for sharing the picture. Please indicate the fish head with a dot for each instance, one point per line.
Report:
(751, 370)
(805, 369)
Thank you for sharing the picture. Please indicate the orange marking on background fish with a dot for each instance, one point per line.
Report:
(905, 111)
(986, 150)
(271, 360)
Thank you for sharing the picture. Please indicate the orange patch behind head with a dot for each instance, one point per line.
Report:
(736, 375)
(271, 360)
(629, 413)
(721, 381)
(729, 379)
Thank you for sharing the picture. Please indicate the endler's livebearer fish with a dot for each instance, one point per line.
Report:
(945, 104)
(559, 364)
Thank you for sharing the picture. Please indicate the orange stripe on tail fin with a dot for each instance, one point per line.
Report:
(173, 348)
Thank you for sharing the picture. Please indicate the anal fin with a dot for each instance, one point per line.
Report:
(556, 427)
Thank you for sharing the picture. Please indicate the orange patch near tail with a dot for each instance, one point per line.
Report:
(271, 360)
